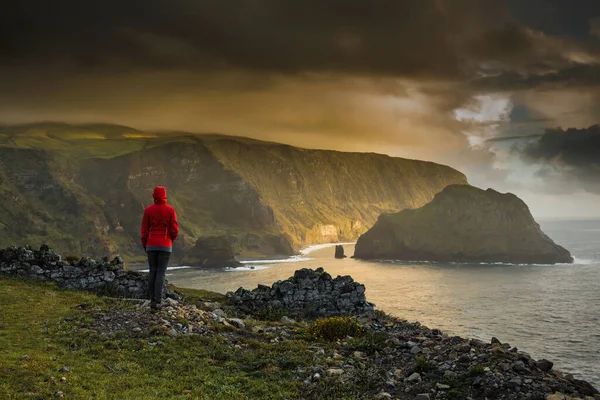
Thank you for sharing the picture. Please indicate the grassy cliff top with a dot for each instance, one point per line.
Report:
(44, 329)
(101, 140)
(67, 344)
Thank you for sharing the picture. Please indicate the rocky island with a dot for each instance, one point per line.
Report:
(311, 336)
(212, 252)
(462, 224)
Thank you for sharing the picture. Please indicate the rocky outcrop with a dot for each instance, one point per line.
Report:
(339, 251)
(104, 276)
(308, 293)
(462, 224)
(212, 252)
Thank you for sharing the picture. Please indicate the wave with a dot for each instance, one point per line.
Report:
(278, 261)
(293, 259)
(576, 261)
(316, 247)
(583, 261)
(170, 268)
(251, 268)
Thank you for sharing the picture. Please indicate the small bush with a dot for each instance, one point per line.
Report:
(454, 395)
(422, 365)
(369, 342)
(335, 328)
(476, 370)
(269, 314)
(72, 259)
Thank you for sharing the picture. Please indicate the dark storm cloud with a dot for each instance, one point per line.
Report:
(568, 155)
(570, 76)
(423, 38)
(456, 40)
(557, 17)
(429, 79)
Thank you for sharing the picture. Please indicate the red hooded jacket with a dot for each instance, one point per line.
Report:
(159, 224)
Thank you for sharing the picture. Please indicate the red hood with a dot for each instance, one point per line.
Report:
(160, 195)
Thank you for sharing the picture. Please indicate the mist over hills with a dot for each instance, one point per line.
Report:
(82, 189)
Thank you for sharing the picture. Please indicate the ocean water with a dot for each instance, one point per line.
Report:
(549, 311)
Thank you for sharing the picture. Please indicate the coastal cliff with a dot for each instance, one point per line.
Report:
(82, 189)
(462, 224)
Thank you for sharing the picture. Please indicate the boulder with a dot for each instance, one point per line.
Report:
(339, 251)
(545, 365)
(462, 224)
(212, 252)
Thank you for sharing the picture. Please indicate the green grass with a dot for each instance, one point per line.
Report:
(44, 328)
(476, 370)
(196, 295)
(422, 365)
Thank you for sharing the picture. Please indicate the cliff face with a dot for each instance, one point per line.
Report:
(83, 189)
(209, 199)
(462, 224)
(325, 196)
(40, 201)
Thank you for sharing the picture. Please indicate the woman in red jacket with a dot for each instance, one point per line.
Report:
(159, 230)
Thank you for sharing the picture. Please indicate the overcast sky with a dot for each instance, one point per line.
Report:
(505, 91)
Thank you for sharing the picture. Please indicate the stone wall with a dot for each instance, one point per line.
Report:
(105, 276)
(308, 293)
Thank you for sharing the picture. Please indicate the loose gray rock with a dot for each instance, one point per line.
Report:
(238, 323)
(519, 366)
(545, 365)
(335, 372)
(414, 377)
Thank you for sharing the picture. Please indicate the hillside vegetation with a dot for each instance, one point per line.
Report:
(82, 189)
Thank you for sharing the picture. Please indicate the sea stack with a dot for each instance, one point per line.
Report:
(339, 251)
(212, 252)
(462, 224)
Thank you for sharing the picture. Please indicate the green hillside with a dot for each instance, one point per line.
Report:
(82, 189)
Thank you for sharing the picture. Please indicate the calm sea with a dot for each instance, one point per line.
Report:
(549, 311)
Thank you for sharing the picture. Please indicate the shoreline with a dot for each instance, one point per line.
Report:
(248, 261)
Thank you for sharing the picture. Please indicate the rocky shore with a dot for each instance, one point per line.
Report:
(387, 358)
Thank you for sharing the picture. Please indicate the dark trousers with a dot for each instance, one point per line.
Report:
(157, 260)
